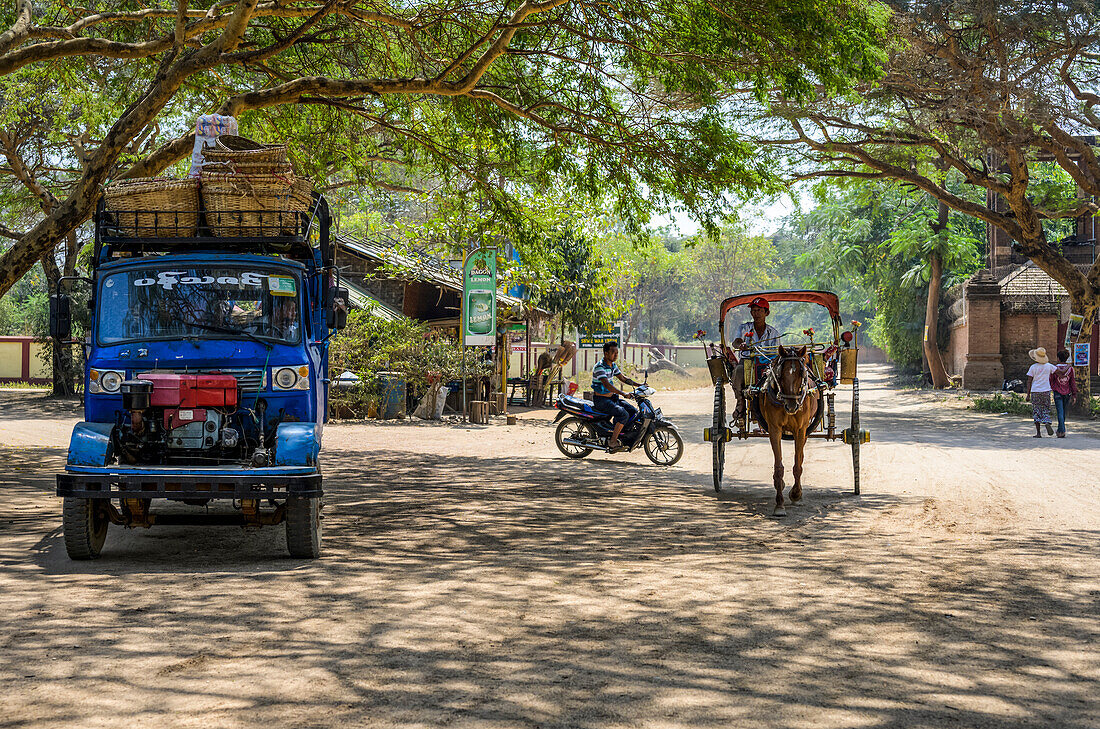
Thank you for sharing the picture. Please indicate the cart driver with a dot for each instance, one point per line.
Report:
(605, 394)
(757, 331)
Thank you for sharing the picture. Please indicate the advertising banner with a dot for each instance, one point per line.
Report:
(517, 338)
(479, 298)
(1081, 354)
(595, 340)
(1073, 330)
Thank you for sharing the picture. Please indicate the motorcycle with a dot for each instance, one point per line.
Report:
(583, 429)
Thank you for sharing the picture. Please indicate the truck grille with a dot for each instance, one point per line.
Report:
(248, 380)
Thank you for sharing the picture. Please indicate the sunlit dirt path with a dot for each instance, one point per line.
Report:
(473, 577)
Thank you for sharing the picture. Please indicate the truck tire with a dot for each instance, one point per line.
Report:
(84, 525)
(303, 527)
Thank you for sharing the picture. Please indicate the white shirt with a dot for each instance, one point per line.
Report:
(771, 334)
(1041, 374)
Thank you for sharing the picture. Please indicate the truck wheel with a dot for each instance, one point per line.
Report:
(303, 527)
(84, 525)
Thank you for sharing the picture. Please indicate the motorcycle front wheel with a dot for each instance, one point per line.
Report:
(664, 446)
(578, 430)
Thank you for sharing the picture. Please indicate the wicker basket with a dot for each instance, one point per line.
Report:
(301, 194)
(155, 208)
(248, 205)
(227, 167)
(242, 151)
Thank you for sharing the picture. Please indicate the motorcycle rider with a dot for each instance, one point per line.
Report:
(605, 395)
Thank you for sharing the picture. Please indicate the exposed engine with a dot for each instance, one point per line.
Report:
(181, 418)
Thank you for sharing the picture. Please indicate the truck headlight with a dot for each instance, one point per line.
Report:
(290, 378)
(108, 381)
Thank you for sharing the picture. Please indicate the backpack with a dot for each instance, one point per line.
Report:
(1061, 377)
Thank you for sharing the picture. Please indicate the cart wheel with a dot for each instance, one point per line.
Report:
(855, 433)
(717, 435)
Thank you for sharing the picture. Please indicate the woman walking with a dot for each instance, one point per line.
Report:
(1039, 391)
(1064, 385)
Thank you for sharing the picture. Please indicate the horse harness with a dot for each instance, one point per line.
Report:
(791, 403)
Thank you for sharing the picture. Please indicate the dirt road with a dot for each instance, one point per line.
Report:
(475, 578)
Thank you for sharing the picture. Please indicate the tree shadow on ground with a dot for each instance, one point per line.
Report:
(21, 404)
(540, 592)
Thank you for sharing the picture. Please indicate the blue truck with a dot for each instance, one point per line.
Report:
(206, 376)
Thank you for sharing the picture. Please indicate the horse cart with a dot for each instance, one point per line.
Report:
(788, 380)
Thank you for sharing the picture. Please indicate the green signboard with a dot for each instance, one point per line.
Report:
(479, 298)
(595, 340)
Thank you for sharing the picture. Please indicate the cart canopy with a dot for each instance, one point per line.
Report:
(825, 298)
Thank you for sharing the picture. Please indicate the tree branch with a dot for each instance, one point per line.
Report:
(24, 13)
(7, 232)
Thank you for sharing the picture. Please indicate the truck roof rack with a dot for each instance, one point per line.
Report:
(299, 235)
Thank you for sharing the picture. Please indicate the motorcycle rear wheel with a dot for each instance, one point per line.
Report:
(664, 446)
(575, 429)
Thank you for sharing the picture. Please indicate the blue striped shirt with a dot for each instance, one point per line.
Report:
(603, 371)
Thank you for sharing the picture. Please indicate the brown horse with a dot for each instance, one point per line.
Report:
(788, 404)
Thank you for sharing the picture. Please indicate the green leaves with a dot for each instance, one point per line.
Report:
(370, 345)
(870, 241)
(632, 106)
(579, 283)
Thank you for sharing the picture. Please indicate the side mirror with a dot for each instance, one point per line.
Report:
(61, 320)
(338, 307)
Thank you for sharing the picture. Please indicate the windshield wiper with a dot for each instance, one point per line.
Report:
(227, 330)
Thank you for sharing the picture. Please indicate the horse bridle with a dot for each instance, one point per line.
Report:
(775, 392)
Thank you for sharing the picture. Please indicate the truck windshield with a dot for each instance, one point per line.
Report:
(202, 302)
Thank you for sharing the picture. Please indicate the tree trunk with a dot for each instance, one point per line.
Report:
(1083, 375)
(62, 387)
(71, 368)
(932, 357)
(936, 369)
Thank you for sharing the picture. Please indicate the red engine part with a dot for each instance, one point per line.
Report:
(178, 418)
(192, 391)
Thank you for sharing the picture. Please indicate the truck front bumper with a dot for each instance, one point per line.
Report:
(189, 483)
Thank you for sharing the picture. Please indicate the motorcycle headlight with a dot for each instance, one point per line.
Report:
(290, 378)
(108, 381)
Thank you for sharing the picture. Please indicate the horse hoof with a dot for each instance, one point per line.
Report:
(779, 511)
(796, 499)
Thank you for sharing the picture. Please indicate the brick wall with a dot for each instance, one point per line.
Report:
(1021, 332)
(954, 359)
(982, 368)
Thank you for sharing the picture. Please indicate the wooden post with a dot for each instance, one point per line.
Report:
(505, 353)
(479, 411)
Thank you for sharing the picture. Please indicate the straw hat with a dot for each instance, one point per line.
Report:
(1039, 354)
